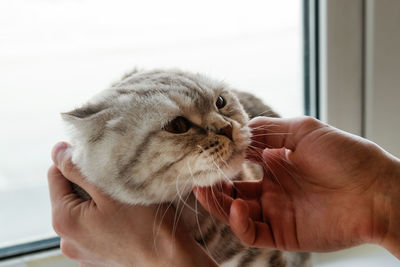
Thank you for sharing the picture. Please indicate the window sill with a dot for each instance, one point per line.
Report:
(48, 258)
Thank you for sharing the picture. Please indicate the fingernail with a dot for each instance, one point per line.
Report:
(58, 152)
(195, 190)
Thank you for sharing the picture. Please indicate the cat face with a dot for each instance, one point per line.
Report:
(154, 135)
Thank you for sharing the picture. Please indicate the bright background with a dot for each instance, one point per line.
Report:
(54, 55)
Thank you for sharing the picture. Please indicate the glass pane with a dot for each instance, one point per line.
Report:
(54, 55)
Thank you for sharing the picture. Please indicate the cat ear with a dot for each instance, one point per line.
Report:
(88, 121)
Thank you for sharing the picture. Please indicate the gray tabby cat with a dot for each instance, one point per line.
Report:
(154, 135)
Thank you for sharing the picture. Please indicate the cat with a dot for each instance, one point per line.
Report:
(155, 134)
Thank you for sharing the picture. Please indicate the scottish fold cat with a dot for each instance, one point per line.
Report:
(155, 134)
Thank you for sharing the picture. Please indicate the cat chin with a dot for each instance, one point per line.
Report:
(226, 174)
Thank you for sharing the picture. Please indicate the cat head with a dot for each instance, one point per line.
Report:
(154, 135)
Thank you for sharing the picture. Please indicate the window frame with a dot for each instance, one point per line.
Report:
(340, 39)
(311, 58)
(360, 96)
(381, 73)
(29, 248)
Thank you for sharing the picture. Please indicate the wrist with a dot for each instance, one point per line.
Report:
(178, 249)
(390, 238)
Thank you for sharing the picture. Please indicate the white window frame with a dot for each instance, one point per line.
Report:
(341, 59)
(382, 73)
(359, 68)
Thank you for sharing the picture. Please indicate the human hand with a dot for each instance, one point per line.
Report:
(105, 232)
(323, 189)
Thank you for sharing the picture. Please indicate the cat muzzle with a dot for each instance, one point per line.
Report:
(226, 131)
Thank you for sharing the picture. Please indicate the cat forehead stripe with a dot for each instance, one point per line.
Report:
(202, 101)
(151, 92)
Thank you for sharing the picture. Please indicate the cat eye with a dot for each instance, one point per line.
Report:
(178, 125)
(220, 102)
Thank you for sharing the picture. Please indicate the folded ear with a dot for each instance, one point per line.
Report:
(85, 111)
(88, 121)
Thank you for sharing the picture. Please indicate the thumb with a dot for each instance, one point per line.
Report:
(281, 133)
(250, 232)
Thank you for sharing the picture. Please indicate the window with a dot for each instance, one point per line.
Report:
(56, 54)
(356, 85)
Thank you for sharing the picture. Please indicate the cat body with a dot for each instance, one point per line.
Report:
(154, 135)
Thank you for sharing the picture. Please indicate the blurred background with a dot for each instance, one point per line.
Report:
(54, 55)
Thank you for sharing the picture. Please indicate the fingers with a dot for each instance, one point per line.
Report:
(62, 157)
(59, 187)
(214, 201)
(241, 223)
(218, 201)
(251, 233)
(62, 199)
(248, 189)
(279, 133)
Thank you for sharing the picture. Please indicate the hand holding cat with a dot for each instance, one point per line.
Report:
(104, 232)
(323, 190)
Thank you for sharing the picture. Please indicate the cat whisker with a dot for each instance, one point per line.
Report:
(201, 148)
(268, 134)
(212, 190)
(261, 143)
(183, 203)
(155, 232)
(223, 161)
(251, 147)
(197, 217)
(264, 127)
(218, 168)
(220, 208)
(281, 161)
(264, 112)
(180, 196)
(214, 200)
(163, 216)
(275, 177)
(178, 203)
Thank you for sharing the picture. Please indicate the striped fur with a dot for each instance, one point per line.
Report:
(121, 145)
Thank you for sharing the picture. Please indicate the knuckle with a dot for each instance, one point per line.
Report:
(52, 171)
(310, 123)
(67, 163)
(68, 250)
(58, 225)
(67, 166)
(310, 120)
(61, 223)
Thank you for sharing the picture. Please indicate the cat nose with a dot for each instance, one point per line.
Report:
(227, 131)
